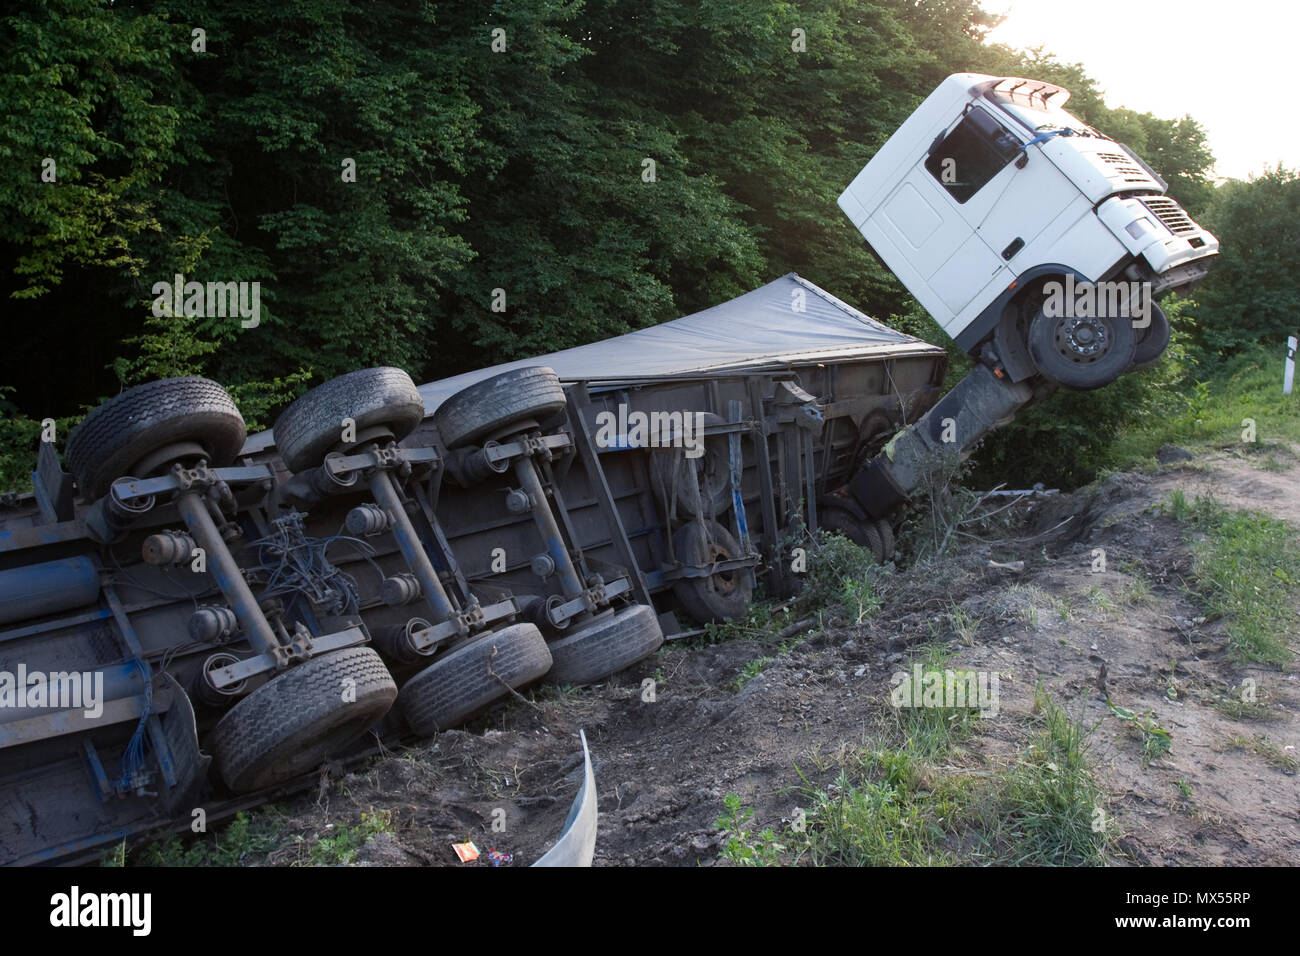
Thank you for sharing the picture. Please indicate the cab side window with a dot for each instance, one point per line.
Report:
(973, 153)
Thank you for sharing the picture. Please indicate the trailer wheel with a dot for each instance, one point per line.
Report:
(473, 675)
(877, 428)
(373, 398)
(721, 596)
(606, 646)
(1153, 340)
(865, 533)
(1081, 352)
(293, 722)
(193, 415)
(496, 403)
(887, 543)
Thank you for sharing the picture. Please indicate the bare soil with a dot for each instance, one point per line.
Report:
(1226, 793)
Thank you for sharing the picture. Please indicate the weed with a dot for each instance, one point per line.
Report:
(742, 846)
(341, 843)
(750, 671)
(964, 624)
(1156, 740)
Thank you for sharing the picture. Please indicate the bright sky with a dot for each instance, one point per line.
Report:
(1229, 63)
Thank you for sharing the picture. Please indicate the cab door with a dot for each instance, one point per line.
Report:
(968, 170)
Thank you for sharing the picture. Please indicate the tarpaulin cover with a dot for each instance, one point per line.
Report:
(785, 322)
(761, 330)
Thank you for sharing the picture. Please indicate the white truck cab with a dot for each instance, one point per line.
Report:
(995, 207)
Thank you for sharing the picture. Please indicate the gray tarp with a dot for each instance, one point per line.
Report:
(760, 330)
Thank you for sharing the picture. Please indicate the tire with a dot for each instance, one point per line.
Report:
(606, 646)
(294, 722)
(1059, 352)
(142, 420)
(887, 543)
(863, 533)
(372, 397)
(460, 682)
(722, 596)
(497, 403)
(1153, 340)
(713, 475)
(876, 431)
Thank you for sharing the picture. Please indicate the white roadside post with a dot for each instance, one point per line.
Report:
(1288, 377)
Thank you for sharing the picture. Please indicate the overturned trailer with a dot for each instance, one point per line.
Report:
(191, 618)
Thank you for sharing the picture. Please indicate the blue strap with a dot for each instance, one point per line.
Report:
(1043, 137)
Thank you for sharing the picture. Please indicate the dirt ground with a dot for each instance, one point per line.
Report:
(1226, 793)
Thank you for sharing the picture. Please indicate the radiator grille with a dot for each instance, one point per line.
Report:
(1171, 214)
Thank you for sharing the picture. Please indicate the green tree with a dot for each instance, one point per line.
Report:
(1252, 293)
(90, 119)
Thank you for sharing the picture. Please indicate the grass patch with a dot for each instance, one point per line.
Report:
(890, 815)
(253, 835)
(1262, 746)
(1048, 810)
(1237, 709)
(1212, 410)
(1246, 570)
(933, 732)
(248, 834)
(910, 799)
(1136, 590)
(1279, 757)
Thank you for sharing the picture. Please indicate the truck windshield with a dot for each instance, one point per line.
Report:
(1041, 117)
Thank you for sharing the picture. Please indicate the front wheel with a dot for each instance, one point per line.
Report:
(1081, 352)
(863, 532)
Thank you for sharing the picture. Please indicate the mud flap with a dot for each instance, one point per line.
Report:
(188, 769)
(577, 843)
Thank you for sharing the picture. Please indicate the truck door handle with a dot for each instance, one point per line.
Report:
(1016, 245)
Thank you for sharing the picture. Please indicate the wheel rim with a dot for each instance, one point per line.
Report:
(724, 582)
(1082, 340)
